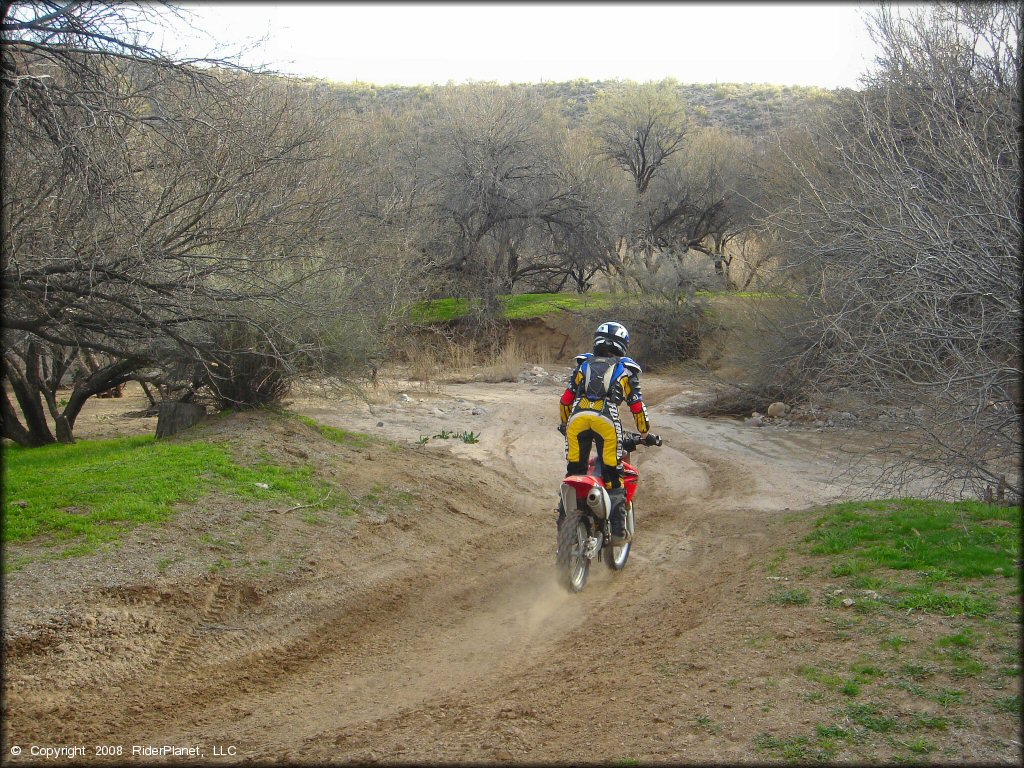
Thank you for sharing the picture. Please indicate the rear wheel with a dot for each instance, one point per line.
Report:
(615, 557)
(571, 561)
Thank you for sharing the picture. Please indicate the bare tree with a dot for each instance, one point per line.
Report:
(688, 184)
(638, 128)
(905, 223)
(148, 207)
(508, 201)
(701, 201)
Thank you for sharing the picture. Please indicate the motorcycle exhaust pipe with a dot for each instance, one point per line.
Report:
(595, 500)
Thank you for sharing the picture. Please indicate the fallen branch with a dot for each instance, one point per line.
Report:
(314, 504)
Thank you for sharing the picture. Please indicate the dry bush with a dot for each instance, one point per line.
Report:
(901, 213)
(505, 364)
(538, 353)
(461, 356)
(662, 330)
(458, 358)
(431, 358)
(769, 360)
(381, 390)
(248, 370)
(422, 363)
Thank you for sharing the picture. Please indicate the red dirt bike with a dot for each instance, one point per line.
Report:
(585, 532)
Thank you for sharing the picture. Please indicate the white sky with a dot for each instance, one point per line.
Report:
(407, 43)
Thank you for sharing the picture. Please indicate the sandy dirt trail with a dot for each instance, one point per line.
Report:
(483, 660)
(448, 639)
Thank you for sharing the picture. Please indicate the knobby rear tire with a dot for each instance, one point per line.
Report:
(571, 562)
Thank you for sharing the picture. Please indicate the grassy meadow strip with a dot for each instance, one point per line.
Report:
(920, 605)
(517, 307)
(529, 305)
(92, 491)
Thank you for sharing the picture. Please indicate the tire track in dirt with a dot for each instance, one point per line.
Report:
(473, 657)
(485, 622)
(618, 603)
(608, 597)
(363, 634)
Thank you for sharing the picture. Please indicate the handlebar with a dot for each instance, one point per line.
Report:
(631, 440)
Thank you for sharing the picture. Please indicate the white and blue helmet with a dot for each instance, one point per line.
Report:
(613, 335)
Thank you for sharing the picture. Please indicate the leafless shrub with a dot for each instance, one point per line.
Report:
(505, 364)
(149, 205)
(904, 224)
(769, 359)
(662, 331)
(248, 370)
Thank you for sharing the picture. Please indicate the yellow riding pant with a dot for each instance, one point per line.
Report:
(583, 430)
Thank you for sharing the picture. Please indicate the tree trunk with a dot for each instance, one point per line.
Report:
(61, 424)
(10, 424)
(149, 393)
(173, 417)
(31, 404)
(103, 378)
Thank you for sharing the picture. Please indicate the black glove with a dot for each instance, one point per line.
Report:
(561, 428)
(652, 440)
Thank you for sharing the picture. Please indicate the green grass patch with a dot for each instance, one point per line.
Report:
(92, 491)
(831, 732)
(894, 643)
(966, 602)
(864, 672)
(337, 435)
(789, 597)
(515, 307)
(708, 725)
(871, 717)
(961, 663)
(940, 546)
(947, 697)
(798, 749)
(920, 746)
(963, 638)
(951, 540)
(846, 568)
(777, 559)
(917, 670)
(816, 675)
(931, 722)
(1008, 704)
(89, 487)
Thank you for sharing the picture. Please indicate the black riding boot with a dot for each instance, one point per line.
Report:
(618, 516)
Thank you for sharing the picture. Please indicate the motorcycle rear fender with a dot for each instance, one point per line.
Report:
(582, 484)
(575, 488)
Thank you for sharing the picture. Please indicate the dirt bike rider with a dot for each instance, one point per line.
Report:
(601, 381)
